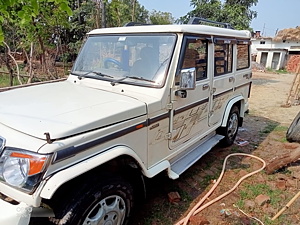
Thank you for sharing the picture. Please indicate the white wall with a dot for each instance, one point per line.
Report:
(272, 47)
(269, 43)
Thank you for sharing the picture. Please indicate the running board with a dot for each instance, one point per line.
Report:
(187, 160)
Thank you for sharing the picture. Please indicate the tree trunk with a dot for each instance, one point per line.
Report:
(43, 55)
(29, 61)
(133, 11)
(281, 161)
(103, 15)
(118, 16)
(97, 14)
(11, 71)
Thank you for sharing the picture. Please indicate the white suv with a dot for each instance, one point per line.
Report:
(139, 101)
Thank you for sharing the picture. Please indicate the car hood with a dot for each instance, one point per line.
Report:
(64, 108)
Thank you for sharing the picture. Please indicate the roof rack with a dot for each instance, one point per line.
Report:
(135, 24)
(198, 20)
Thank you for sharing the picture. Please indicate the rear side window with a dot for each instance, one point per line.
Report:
(223, 58)
(243, 55)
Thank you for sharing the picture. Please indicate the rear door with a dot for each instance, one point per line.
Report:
(190, 115)
(223, 79)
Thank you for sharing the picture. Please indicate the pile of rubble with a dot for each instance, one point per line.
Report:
(257, 67)
(289, 34)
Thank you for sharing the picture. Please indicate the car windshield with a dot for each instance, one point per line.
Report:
(133, 59)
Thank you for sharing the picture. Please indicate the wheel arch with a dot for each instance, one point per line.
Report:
(239, 102)
(116, 160)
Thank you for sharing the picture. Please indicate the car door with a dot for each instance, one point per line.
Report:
(223, 79)
(191, 107)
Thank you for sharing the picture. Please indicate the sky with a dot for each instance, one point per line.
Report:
(273, 15)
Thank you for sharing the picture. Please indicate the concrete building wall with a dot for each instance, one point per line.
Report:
(276, 51)
(269, 43)
(272, 58)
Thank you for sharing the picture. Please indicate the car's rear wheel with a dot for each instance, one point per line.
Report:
(230, 131)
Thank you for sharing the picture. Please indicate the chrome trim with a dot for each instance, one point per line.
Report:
(2, 143)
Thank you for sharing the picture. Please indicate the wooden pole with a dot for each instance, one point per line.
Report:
(286, 206)
(295, 84)
(298, 83)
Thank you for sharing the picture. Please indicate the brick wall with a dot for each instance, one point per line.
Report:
(292, 64)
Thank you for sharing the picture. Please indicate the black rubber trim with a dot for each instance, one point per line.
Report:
(222, 93)
(180, 110)
(73, 150)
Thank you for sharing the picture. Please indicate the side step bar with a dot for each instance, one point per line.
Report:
(187, 160)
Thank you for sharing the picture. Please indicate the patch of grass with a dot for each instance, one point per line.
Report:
(279, 221)
(240, 203)
(235, 149)
(282, 71)
(158, 215)
(185, 196)
(207, 180)
(281, 128)
(268, 128)
(5, 80)
(164, 212)
(251, 191)
(282, 140)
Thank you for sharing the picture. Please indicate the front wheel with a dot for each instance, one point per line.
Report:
(107, 202)
(230, 131)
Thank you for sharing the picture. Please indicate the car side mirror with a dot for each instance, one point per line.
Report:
(188, 79)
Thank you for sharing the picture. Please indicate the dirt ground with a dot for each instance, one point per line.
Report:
(263, 135)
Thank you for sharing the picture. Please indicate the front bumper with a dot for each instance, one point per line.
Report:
(14, 214)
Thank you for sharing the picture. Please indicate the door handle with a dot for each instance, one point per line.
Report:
(246, 76)
(205, 86)
(231, 79)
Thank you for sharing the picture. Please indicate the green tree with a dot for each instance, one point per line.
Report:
(158, 17)
(207, 9)
(120, 12)
(32, 24)
(27, 12)
(238, 13)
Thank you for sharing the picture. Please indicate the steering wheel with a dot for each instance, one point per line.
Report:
(107, 61)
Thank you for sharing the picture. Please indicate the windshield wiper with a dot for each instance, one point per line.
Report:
(131, 77)
(91, 72)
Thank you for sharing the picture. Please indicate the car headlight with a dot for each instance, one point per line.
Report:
(22, 169)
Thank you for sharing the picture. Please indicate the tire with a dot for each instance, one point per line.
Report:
(230, 131)
(107, 202)
(293, 133)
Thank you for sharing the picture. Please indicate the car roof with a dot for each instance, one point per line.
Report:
(184, 28)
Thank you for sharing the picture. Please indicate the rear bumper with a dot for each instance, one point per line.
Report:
(14, 214)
